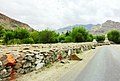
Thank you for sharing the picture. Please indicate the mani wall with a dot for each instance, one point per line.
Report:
(30, 57)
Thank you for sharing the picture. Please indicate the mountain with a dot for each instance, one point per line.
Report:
(11, 24)
(69, 28)
(105, 27)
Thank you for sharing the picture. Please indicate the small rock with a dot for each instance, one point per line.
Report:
(26, 48)
(40, 65)
(20, 71)
(30, 54)
(27, 65)
(18, 65)
(37, 56)
(26, 70)
(29, 58)
(38, 61)
(33, 60)
(23, 61)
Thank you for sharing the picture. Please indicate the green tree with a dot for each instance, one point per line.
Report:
(79, 37)
(114, 36)
(35, 36)
(89, 38)
(8, 36)
(79, 34)
(68, 39)
(2, 33)
(67, 33)
(61, 38)
(28, 41)
(100, 38)
(21, 33)
(47, 36)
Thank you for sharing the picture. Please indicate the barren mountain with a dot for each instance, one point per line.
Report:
(105, 27)
(69, 28)
(11, 24)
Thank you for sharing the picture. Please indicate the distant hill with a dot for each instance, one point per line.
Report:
(11, 24)
(105, 27)
(69, 28)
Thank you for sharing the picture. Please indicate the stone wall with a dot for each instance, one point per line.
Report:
(32, 57)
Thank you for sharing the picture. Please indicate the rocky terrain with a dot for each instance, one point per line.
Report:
(11, 24)
(105, 27)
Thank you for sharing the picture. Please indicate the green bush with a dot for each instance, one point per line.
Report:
(61, 38)
(79, 34)
(89, 38)
(21, 33)
(100, 38)
(14, 41)
(47, 36)
(28, 41)
(8, 36)
(35, 36)
(114, 36)
(68, 39)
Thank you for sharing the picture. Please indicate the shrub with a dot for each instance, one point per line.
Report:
(114, 36)
(14, 41)
(68, 39)
(28, 41)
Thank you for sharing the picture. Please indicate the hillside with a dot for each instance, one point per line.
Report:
(69, 28)
(105, 27)
(11, 24)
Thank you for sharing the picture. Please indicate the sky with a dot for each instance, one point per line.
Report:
(54, 14)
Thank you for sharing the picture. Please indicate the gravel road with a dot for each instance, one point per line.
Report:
(104, 66)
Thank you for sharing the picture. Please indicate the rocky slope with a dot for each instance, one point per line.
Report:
(105, 27)
(11, 24)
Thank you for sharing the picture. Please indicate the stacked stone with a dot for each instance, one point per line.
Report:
(28, 60)
(33, 60)
(32, 57)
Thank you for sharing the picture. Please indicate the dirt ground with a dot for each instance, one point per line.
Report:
(58, 70)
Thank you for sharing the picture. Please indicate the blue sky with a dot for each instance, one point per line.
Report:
(54, 14)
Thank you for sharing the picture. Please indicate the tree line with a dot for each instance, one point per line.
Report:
(78, 34)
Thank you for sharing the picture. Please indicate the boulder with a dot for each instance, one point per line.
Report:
(75, 57)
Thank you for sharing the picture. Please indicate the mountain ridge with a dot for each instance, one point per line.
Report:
(105, 27)
(69, 28)
(12, 24)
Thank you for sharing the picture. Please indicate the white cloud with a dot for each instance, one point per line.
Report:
(59, 13)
